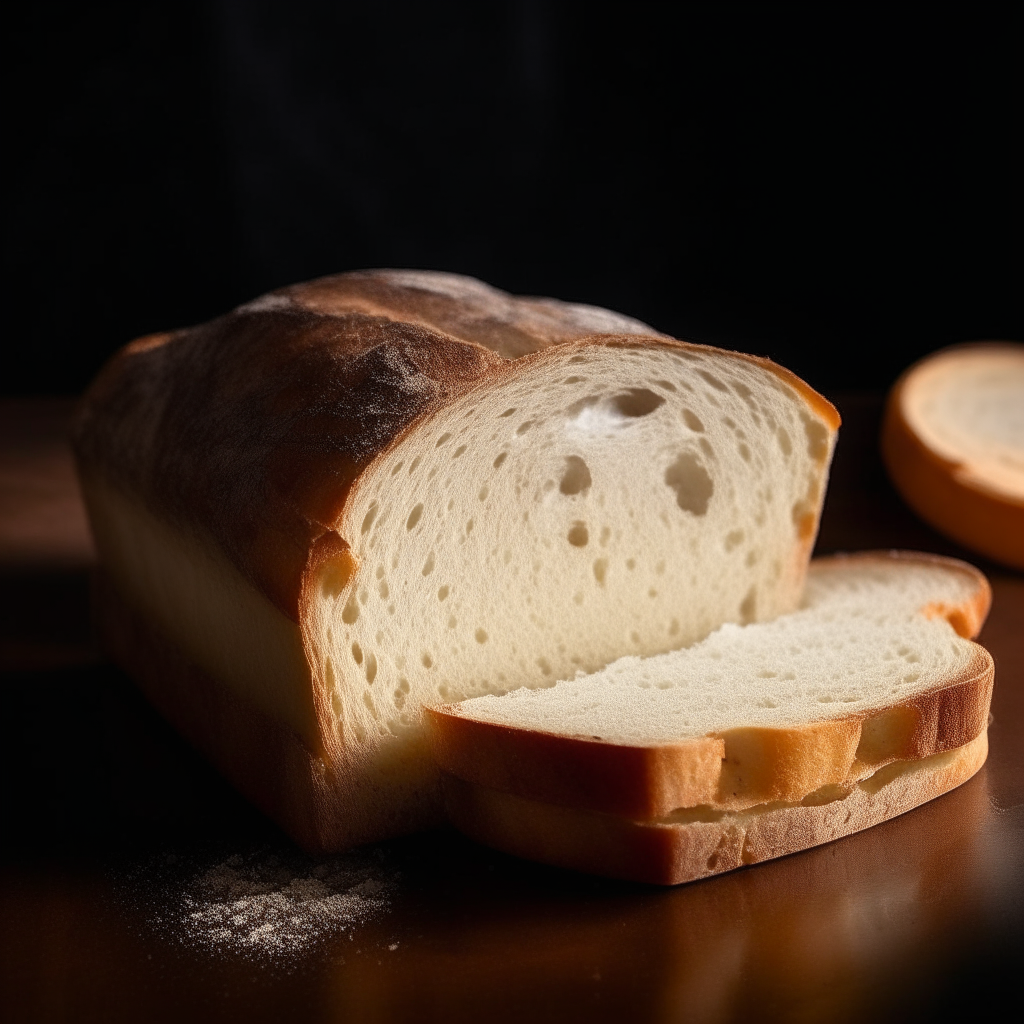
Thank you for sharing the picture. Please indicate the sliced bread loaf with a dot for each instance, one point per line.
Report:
(953, 442)
(875, 668)
(360, 495)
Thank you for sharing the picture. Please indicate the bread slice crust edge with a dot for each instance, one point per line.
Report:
(672, 852)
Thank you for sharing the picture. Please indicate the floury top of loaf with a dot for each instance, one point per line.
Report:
(374, 491)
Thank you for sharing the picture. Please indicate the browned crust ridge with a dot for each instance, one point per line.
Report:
(252, 429)
(669, 853)
(940, 491)
(648, 782)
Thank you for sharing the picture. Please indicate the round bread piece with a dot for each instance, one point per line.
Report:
(953, 442)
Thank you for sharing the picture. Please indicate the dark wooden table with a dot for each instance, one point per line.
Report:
(111, 824)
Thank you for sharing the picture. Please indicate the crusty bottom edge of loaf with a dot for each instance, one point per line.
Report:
(668, 852)
(260, 756)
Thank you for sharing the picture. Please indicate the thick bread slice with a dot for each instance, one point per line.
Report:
(685, 847)
(373, 491)
(874, 668)
(953, 442)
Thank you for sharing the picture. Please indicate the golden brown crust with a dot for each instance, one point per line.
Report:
(252, 429)
(740, 767)
(942, 494)
(668, 853)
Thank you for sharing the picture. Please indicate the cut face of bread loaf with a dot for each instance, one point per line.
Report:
(381, 490)
(876, 667)
(953, 441)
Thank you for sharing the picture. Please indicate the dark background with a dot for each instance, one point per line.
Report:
(840, 192)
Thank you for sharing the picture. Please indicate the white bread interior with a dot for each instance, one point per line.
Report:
(601, 500)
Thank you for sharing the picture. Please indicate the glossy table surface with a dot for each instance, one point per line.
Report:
(136, 885)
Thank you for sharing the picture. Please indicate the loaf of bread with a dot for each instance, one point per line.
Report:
(953, 442)
(758, 741)
(372, 492)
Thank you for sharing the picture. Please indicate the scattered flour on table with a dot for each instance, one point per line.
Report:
(264, 905)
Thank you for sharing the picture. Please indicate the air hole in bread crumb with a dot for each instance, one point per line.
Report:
(369, 518)
(481, 636)
(524, 427)
(461, 450)
(484, 491)
(427, 660)
(784, 442)
(713, 380)
(576, 478)
(428, 565)
(396, 467)
(350, 612)
(817, 438)
(383, 590)
(357, 653)
(441, 440)
(574, 380)
(442, 592)
(748, 607)
(544, 665)
(744, 452)
(469, 527)
(637, 402)
(500, 459)
(630, 563)
(691, 482)
(452, 622)
(600, 570)
(578, 534)
(666, 384)
(733, 539)
(414, 516)
(507, 413)
(693, 421)
(415, 462)
(371, 668)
